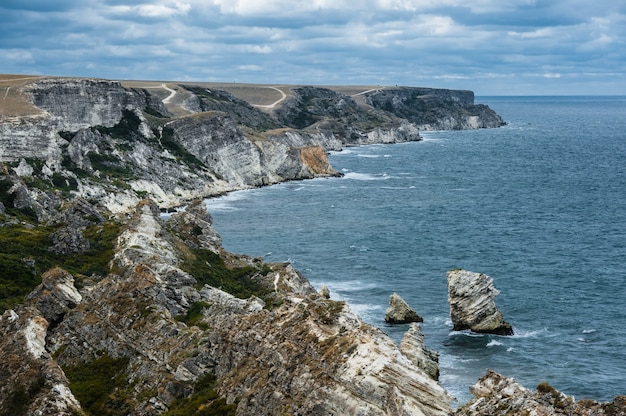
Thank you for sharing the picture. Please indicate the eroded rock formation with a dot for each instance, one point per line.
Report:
(472, 305)
(497, 395)
(399, 312)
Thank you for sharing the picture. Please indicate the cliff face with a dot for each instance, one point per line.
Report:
(435, 109)
(95, 135)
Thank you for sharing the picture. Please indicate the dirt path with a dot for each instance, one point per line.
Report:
(167, 99)
(275, 103)
(365, 92)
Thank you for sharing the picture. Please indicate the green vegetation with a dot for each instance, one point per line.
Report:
(194, 314)
(109, 165)
(100, 385)
(65, 184)
(25, 256)
(18, 400)
(203, 402)
(7, 198)
(209, 268)
(169, 142)
(126, 129)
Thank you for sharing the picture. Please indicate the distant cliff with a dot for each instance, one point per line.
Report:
(94, 135)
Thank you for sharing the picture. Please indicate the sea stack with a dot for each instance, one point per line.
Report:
(472, 305)
(399, 312)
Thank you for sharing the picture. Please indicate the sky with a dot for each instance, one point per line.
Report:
(492, 47)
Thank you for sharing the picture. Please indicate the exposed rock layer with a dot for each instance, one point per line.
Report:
(472, 305)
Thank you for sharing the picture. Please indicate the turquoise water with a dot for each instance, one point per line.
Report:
(539, 205)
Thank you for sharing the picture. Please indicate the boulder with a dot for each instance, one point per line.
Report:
(325, 292)
(399, 312)
(55, 296)
(472, 306)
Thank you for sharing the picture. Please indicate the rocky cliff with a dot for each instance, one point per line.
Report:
(118, 144)
(108, 309)
(178, 325)
(434, 109)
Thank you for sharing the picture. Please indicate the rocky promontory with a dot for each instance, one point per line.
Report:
(177, 325)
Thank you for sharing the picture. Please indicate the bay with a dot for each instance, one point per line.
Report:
(539, 205)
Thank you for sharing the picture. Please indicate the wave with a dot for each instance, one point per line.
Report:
(493, 343)
(526, 334)
(225, 202)
(369, 156)
(364, 177)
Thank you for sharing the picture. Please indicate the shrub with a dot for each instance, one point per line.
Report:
(99, 385)
(203, 402)
(209, 268)
(25, 257)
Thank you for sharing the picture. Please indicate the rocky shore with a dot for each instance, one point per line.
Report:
(109, 309)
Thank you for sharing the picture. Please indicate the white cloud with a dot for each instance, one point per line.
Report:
(538, 33)
(255, 68)
(16, 56)
(163, 10)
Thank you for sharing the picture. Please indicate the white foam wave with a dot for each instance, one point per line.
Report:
(349, 286)
(342, 152)
(588, 331)
(526, 334)
(368, 156)
(493, 343)
(225, 202)
(364, 177)
(432, 137)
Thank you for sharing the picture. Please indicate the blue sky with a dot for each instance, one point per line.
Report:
(493, 47)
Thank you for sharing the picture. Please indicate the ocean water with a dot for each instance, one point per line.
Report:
(539, 205)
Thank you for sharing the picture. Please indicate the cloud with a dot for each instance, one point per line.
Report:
(163, 10)
(441, 43)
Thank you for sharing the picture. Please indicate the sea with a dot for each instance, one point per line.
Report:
(539, 205)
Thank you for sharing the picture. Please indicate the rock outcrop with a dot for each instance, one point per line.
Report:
(412, 346)
(472, 305)
(161, 326)
(497, 395)
(399, 312)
